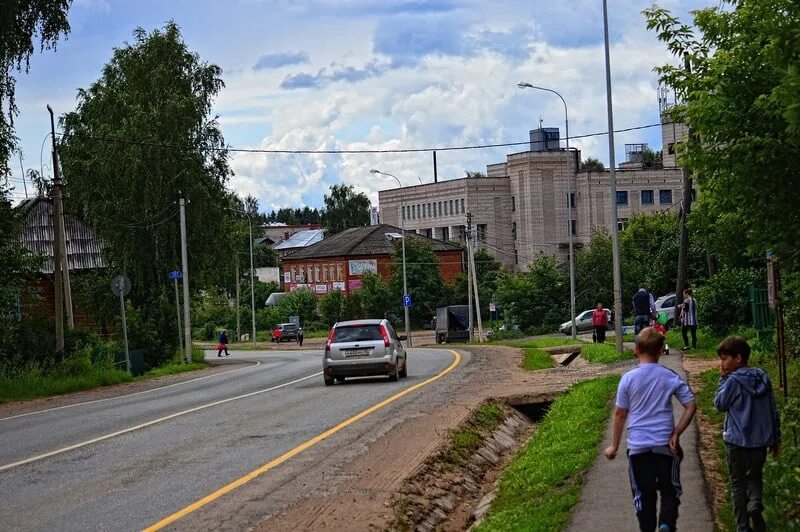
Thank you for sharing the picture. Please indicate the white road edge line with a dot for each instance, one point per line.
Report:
(6, 467)
(128, 394)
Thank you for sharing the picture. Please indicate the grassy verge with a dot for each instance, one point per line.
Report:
(32, 384)
(540, 487)
(706, 343)
(547, 342)
(604, 353)
(466, 439)
(172, 369)
(535, 359)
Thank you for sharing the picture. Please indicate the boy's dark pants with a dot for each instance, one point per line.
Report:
(687, 328)
(651, 473)
(746, 466)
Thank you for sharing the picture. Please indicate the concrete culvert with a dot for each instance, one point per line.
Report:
(533, 411)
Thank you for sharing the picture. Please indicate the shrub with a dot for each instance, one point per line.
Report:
(723, 300)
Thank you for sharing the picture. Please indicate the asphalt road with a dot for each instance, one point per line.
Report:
(119, 464)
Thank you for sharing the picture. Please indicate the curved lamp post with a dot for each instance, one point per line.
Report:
(523, 85)
(403, 229)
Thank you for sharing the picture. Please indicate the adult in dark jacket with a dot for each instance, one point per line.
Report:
(643, 308)
(222, 344)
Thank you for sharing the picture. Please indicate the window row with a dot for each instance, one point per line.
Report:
(420, 211)
(317, 273)
(648, 197)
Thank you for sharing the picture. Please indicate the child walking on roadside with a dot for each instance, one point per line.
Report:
(751, 426)
(644, 400)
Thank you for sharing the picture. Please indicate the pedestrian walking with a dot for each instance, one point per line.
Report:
(644, 401)
(300, 336)
(222, 343)
(752, 425)
(688, 318)
(643, 308)
(600, 323)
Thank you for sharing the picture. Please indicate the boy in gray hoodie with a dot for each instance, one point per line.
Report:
(751, 426)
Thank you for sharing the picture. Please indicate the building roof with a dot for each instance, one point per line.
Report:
(301, 239)
(84, 248)
(359, 241)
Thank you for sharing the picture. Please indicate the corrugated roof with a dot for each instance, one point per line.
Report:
(369, 240)
(84, 249)
(302, 239)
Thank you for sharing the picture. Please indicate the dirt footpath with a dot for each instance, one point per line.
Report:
(362, 498)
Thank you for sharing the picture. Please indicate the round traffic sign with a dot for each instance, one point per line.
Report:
(121, 285)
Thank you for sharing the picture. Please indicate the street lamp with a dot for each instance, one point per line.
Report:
(403, 230)
(523, 85)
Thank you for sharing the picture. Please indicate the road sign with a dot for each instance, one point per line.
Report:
(407, 301)
(121, 285)
(175, 275)
(492, 307)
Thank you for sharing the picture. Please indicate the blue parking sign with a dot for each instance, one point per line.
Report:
(407, 301)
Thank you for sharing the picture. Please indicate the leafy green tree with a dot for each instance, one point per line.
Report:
(724, 300)
(652, 158)
(487, 271)
(142, 135)
(377, 298)
(344, 208)
(331, 307)
(536, 298)
(263, 256)
(301, 303)
(593, 274)
(592, 165)
(741, 100)
(21, 23)
(425, 283)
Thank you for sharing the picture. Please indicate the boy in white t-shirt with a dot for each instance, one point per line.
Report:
(644, 400)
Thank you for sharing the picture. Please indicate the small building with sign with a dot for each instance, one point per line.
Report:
(340, 261)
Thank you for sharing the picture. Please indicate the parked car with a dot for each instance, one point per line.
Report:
(583, 322)
(361, 348)
(667, 304)
(284, 332)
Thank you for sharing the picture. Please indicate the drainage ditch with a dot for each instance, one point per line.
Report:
(454, 488)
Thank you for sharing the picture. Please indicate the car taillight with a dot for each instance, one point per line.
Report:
(385, 335)
(329, 341)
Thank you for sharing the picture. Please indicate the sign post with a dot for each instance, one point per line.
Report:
(121, 286)
(407, 301)
(175, 276)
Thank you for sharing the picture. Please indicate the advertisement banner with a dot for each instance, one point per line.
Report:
(321, 288)
(339, 285)
(287, 277)
(358, 267)
(354, 284)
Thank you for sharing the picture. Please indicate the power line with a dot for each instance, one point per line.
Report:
(345, 152)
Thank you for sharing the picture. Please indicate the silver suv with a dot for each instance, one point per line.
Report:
(667, 304)
(363, 347)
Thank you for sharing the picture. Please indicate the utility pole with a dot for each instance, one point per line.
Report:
(469, 276)
(60, 229)
(252, 286)
(475, 287)
(614, 220)
(238, 310)
(57, 261)
(683, 245)
(187, 327)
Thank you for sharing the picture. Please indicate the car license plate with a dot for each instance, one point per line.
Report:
(356, 353)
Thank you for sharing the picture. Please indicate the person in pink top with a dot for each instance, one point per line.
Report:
(600, 323)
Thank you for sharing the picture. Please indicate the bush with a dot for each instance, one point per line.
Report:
(724, 301)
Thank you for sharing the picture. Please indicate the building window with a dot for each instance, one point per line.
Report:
(513, 204)
(516, 256)
(433, 206)
(301, 276)
(317, 273)
(482, 232)
(622, 197)
(647, 197)
(572, 200)
(514, 230)
(665, 197)
(462, 206)
(439, 207)
(339, 272)
(451, 208)
(622, 223)
(430, 210)
(574, 226)
(293, 274)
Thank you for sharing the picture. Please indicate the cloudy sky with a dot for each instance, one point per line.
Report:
(374, 74)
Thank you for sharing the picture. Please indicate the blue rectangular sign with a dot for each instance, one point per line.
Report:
(175, 275)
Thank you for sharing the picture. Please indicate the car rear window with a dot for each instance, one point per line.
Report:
(357, 333)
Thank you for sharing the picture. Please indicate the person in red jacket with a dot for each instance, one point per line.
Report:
(600, 323)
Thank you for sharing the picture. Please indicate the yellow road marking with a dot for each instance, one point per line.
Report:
(152, 422)
(297, 450)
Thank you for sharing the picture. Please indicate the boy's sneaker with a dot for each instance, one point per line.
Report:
(758, 521)
(663, 528)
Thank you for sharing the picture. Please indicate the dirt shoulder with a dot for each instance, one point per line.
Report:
(362, 500)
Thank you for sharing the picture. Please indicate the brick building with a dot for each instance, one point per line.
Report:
(339, 261)
(519, 211)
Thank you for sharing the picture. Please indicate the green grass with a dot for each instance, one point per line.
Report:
(32, 384)
(706, 343)
(466, 439)
(604, 353)
(172, 369)
(546, 342)
(535, 359)
(541, 486)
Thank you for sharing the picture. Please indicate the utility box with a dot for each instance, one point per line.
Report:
(137, 361)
